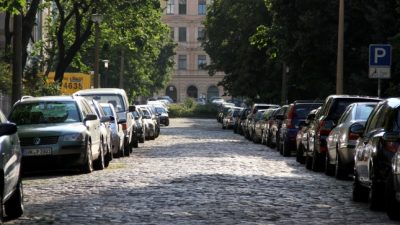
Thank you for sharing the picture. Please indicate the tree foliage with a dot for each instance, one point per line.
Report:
(303, 35)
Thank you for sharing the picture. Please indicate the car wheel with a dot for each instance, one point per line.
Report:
(127, 150)
(88, 165)
(391, 204)
(360, 193)
(166, 122)
(14, 207)
(299, 154)
(109, 157)
(135, 142)
(285, 149)
(308, 162)
(375, 193)
(329, 168)
(99, 163)
(316, 164)
(340, 172)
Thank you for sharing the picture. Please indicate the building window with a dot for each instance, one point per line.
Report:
(192, 91)
(182, 62)
(202, 7)
(170, 6)
(182, 34)
(201, 62)
(200, 33)
(172, 33)
(182, 7)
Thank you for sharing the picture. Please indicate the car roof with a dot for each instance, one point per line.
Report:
(50, 98)
(101, 90)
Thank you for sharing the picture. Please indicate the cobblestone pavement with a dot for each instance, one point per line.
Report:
(195, 173)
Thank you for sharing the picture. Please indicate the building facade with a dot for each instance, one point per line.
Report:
(189, 79)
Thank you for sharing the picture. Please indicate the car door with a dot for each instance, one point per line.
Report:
(93, 127)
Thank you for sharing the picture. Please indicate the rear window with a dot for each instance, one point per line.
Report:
(340, 105)
(302, 110)
(363, 112)
(115, 100)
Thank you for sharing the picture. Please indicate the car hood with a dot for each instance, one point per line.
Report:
(50, 129)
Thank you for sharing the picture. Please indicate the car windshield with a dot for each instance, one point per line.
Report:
(45, 112)
(107, 110)
(160, 110)
(115, 100)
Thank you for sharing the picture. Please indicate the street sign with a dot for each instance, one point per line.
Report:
(72, 82)
(380, 61)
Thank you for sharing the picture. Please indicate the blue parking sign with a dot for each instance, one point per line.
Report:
(380, 55)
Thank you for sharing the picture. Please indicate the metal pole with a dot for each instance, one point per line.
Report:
(96, 56)
(17, 59)
(379, 88)
(121, 70)
(284, 84)
(339, 64)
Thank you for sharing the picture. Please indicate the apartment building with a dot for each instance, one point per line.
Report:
(189, 79)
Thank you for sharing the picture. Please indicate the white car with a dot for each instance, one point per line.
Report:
(149, 122)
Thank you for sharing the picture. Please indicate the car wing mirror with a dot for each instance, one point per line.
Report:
(90, 116)
(357, 128)
(105, 119)
(8, 129)
(121, 121)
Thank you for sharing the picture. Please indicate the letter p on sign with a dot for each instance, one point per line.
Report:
(380, 55)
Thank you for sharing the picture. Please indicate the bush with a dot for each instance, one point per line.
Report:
(191, 109)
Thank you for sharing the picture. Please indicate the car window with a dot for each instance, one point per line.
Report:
(363, 112)
(3, 118)
(373, 121)
(396, 120)
(45, 112)
(346, 116)
(115, 100)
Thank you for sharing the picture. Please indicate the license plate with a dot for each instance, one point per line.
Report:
(37, 151)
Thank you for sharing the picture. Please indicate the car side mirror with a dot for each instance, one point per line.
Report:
(90, 116)
(391, 136)
(357, 128)
(132, 108)
(112, 118)
(8, 129)
(121, 121)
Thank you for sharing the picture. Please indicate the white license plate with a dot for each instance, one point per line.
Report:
(37, 151)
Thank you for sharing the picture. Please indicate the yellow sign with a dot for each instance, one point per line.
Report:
(72, 82)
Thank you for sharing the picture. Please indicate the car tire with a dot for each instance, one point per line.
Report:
(375, 194)
(340, 172)
(166, 122)
(299, 154)
(359, 193)
(391, 204)
(329, 168)
(127, 150)
(135, 142)
(316, 162)
(109, 157)
(99, 163)
(285, 150)
(88, 164)
(14, 207)
(308, 162)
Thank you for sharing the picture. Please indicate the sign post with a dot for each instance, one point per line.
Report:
(380, 62)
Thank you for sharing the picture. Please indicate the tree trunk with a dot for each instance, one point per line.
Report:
(17, 59)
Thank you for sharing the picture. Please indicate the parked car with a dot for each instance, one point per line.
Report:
(149, 123)
(140, 124)
(155, 117)
(242, 120)
(266, 129)
(250, 118)
(12, 194)
(252, 126)
(341, 142)
(119, 99)
(163, 114)
(302, 136)
(105, 132)
(377, 158)
(58, 131)
(260, 125)
(229, 119)
(117, 134)
(296, 113)
(327, 117)
(275, 127)
(223, 111)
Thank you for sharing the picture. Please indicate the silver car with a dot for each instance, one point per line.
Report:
(341, 142)
(12, 193)
(117, 134)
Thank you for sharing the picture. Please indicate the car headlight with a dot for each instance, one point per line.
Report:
(73, 137)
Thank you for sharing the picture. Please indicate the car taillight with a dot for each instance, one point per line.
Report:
(289, 119)
(392, 146)
(323, 130)
(353, 136)
(124, 126)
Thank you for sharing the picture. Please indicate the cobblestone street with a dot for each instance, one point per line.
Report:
(195, 173)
